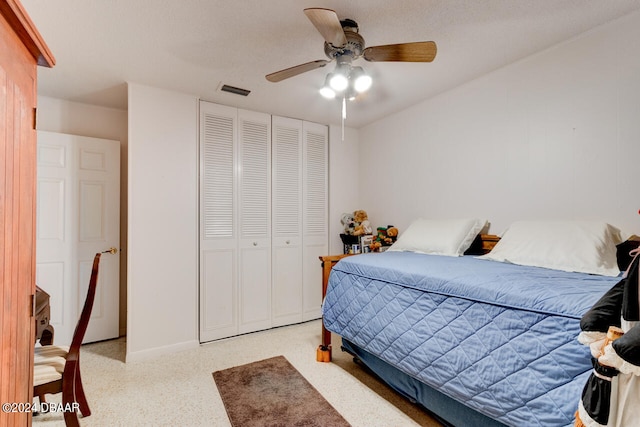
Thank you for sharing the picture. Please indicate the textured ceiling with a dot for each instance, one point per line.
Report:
(193, 46)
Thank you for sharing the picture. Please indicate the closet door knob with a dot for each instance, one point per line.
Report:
(288, 241)
(255, 243)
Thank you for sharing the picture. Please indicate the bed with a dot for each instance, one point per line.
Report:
(478, 342)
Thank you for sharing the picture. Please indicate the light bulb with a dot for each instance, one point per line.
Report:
(338, 82)
(327, 92)
(326, 89)
(351, 94)
(361, 81)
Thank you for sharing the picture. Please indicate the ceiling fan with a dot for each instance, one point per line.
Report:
(344, 44)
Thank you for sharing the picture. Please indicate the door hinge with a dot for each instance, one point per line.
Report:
(33, 305)
(35, 118)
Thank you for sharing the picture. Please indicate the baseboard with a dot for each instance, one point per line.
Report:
(155, 352)
(311, 315)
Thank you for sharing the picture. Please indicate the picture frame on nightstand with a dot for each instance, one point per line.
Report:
(365, 242)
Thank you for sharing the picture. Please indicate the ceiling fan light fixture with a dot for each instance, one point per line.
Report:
(363, 83)
(326, 90)
(344, 44)
(338, 82)
(361, 80)
(351, 94)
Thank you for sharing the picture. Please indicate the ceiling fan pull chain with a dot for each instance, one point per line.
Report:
(344, 107)
(344, 114)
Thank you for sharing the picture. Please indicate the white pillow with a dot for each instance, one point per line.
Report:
(439, 237)
(579, 246)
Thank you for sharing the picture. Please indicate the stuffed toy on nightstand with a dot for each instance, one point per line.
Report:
(363, 226)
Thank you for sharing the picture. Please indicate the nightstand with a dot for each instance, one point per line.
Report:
(323, 353)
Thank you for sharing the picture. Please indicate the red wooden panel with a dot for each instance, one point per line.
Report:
(17, 221)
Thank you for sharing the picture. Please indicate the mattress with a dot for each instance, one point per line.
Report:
(496, 337)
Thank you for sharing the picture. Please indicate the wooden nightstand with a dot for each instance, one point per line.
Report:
(323, 353)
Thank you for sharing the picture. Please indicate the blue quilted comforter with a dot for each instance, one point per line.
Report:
(497, 337)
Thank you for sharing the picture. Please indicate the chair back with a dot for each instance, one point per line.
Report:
(85, 315)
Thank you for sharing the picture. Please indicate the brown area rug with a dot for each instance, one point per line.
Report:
(272, 392)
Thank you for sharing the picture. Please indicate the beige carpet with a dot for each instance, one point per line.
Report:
(272, 392)
(177, 389)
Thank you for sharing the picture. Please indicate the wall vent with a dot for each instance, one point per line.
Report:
(236, 90)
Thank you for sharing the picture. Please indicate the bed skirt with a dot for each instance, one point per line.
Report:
(445, 408)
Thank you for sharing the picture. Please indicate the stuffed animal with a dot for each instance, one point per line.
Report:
(611, 328)
(360, 216)
(348, 222)
(366, 227)
(385, 236)
(363, 226)
(392, 232)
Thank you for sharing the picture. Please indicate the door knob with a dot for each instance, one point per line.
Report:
(111, 250)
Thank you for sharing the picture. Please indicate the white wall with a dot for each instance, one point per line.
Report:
(344, 193)
(163, 226)
(168, 120)
(554, 136)
(56, 115)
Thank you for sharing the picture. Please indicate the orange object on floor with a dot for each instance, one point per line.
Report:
(323, 354)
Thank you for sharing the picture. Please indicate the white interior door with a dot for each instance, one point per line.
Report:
(218, 223)
(315, 202)
(287, 220)
(78, 214)
(254, 220)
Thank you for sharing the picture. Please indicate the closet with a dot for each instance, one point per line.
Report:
(263, 220)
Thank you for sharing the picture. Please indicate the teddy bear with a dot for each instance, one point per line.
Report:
(392, 232)
(611, 328)
(360, 215)
(363, 226)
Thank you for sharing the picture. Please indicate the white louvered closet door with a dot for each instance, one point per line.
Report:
(315, 203)
(263, 220)
(287, 220)
(218, 234)
(254, 192)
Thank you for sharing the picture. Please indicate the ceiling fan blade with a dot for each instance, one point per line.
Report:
(294, 71)
(327, 23)
(402, 52)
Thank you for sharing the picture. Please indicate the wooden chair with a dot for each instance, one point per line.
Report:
(57, 368)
